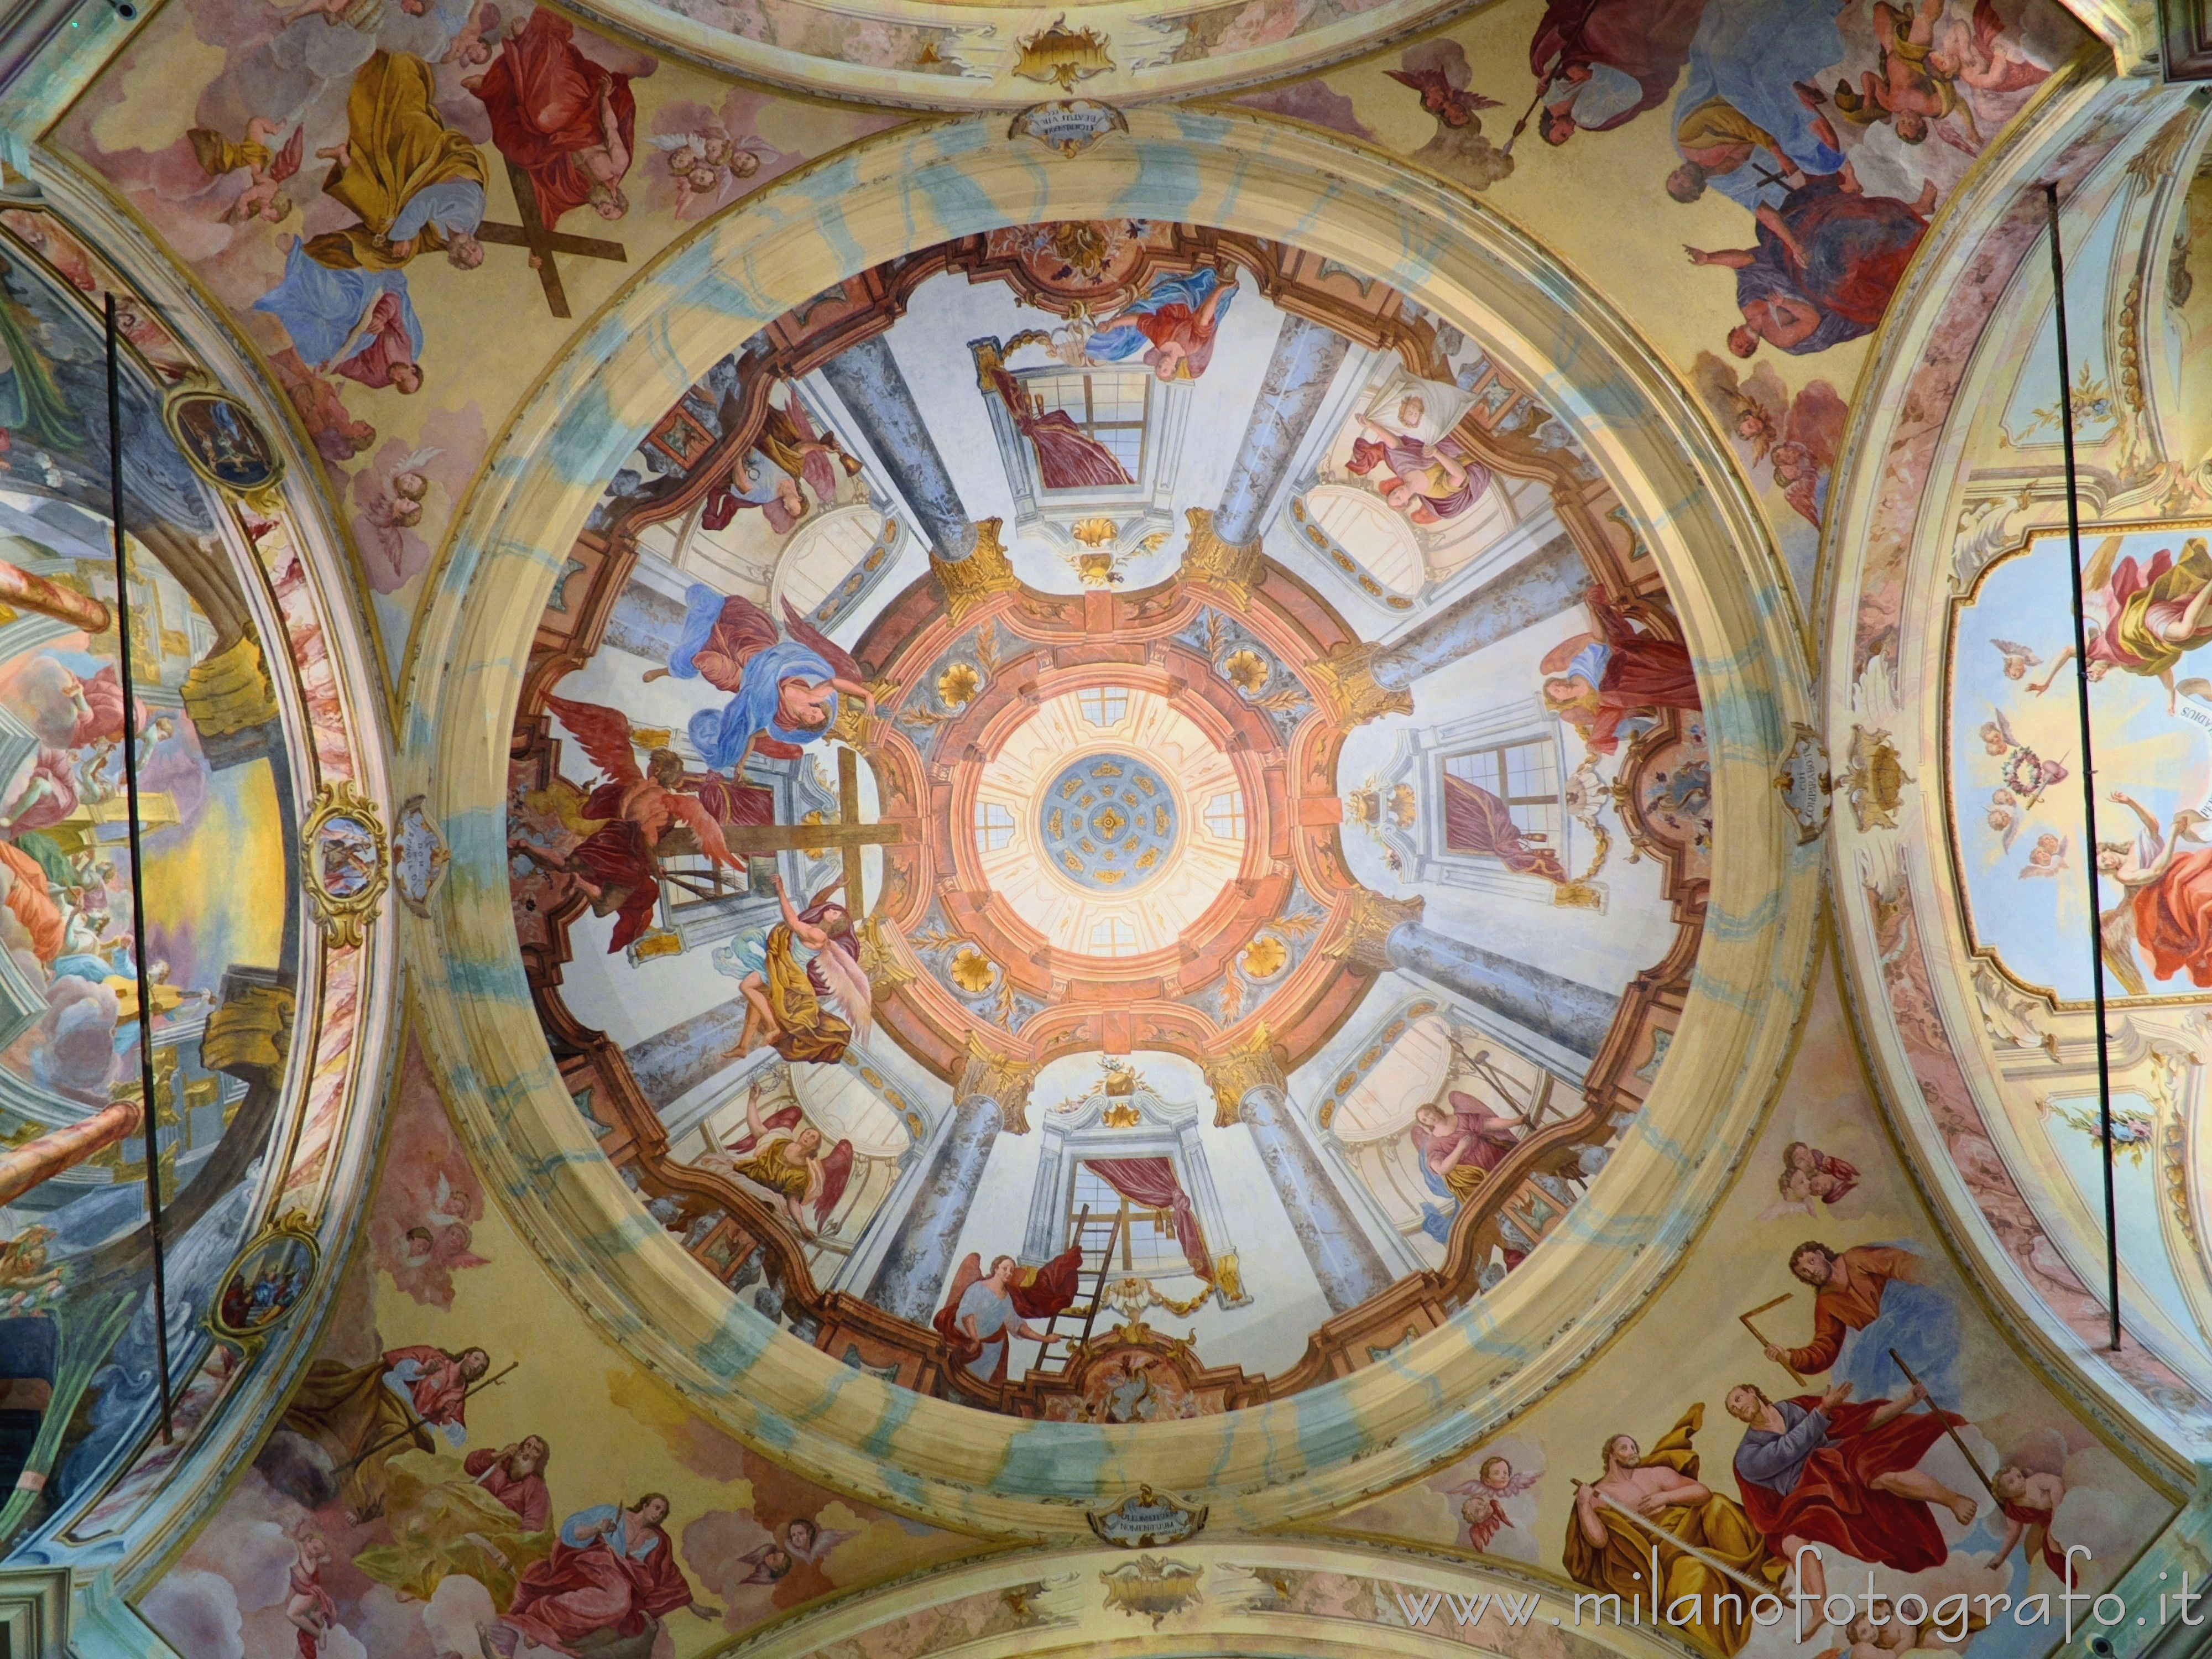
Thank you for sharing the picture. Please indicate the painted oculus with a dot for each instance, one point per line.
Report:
(1108, 822)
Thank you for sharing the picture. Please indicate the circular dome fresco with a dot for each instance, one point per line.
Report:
(1168, 877)
(244, 738)
(872, 1019)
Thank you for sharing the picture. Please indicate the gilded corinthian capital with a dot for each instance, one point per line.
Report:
(1347, 673)
(987, 570)
(1239, 1069)
(1207, 558)
(1363, 940)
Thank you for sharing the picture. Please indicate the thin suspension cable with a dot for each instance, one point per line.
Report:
(137, 876)
(2088, 767)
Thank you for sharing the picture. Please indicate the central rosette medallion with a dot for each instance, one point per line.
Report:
(1108, 821)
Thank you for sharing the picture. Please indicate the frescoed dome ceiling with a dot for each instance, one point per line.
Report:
(1191, 836)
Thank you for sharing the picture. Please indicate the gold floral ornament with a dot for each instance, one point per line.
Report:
(343, 862)
(971, 970)
(957, 685)
(1247, 670)
(1265, 956)
(1062, 56)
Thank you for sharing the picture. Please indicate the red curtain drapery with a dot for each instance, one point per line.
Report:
(1151, 1182)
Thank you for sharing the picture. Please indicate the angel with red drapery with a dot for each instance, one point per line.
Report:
(635, 816)
(2165, 907)
(984, 1311)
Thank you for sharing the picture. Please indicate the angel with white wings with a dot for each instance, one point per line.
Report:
(783, 1152)
(635, 816)
(806, 996)
(784, 691)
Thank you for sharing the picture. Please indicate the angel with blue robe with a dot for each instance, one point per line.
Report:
(1173, 326)
(783, 690)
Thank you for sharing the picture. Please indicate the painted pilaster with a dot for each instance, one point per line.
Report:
(920, 1255)
(1551, 579)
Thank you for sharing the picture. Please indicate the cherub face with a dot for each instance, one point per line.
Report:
(744, 163)
(1496, 1471)
(2010, 1483)
(703, 178)
(716, 149)
(1742, 340)
(1912, 128)
(2002, 798)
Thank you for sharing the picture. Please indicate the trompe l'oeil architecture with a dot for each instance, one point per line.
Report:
(888, 830)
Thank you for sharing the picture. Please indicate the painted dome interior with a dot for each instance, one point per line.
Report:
(975, 829)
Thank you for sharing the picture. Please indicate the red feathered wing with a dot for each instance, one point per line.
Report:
(604, 735)
(836, 1171)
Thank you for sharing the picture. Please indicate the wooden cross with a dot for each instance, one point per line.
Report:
(848, 834)
(543, 243)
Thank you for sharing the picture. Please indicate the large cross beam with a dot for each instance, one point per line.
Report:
(848, 835)
(543, 242)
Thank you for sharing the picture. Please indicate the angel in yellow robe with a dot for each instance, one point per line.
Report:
(415, 183)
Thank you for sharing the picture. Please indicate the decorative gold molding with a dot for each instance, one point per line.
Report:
(1062, 56)
(251, 1032)
(1347, 674)
(967, 582)
(1001, 1078)
(1207, 558)
(1239, 1070)
(287, 1244)
(229, 692)
(1365, 939)
(343, 865)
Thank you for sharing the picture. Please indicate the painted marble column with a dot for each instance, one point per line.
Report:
(1306, 358)
(1344, 1262)
(920, 1254)
(875, 393)
(1563, 1011)
(670, 1064)
(1551, 579)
